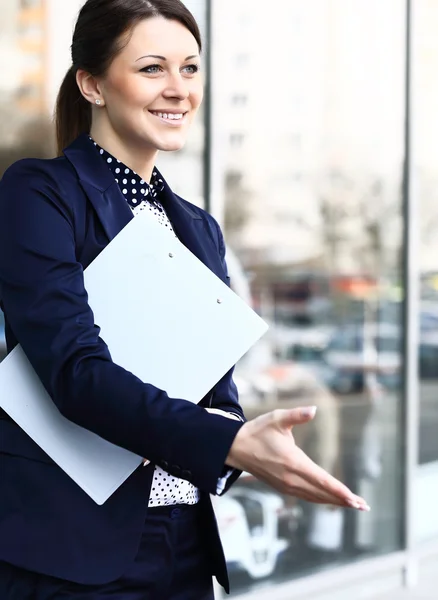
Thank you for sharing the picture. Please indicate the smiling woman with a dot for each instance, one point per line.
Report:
(147, 102)
(134, 94)
(133, 89)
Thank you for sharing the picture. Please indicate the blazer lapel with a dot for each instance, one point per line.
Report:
(192, 231)
(111, 207)
(99, 185)
(114, 212)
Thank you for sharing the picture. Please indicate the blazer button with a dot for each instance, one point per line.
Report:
(164, 465)
(186, 475)
(176, 470)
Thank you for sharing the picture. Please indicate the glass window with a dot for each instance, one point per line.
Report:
(31, 32)
(425, 53)
(30, 3)
(237, 139)
(239, 99)
(242, 59)
(319, 257)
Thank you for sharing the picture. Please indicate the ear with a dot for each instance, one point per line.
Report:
(89, 87)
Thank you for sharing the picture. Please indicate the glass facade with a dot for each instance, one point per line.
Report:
(305, 172)
(313, 216)
(425, 64)
(426, 128)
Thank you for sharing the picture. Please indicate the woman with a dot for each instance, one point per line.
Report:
(133, 90)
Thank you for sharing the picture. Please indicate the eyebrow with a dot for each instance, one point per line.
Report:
(164, 58)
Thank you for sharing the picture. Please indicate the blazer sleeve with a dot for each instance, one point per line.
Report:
(45, 301)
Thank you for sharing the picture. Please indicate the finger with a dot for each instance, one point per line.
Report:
(304, 490)
(310, 493)
(318, 477)
(316, 496)
(317, 500)
(288, 418)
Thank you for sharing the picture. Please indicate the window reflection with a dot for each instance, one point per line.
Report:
(312, 155)
(313, 216)
(426, 63)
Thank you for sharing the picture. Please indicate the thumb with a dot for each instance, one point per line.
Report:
(297, 416)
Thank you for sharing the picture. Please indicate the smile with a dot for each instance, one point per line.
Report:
(170, 118)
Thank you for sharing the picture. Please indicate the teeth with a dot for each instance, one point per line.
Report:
(169, 116)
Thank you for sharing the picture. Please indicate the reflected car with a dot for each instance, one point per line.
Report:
(428, 356)
(313, 358)
(248, 523)
(428, 316)
(355, 350)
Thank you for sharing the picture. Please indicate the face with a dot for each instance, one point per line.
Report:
(154, 87)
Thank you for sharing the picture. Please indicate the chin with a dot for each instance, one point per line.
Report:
(171, 146)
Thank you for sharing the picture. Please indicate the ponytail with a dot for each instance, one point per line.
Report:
(72, 112)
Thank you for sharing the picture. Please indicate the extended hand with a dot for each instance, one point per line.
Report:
(265, 447)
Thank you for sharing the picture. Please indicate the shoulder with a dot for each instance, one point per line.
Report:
(52, 179)
(38, 171)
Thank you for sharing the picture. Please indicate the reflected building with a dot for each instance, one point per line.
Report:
(303, 82)
(309, 129)
(33, 57)
(23, 53)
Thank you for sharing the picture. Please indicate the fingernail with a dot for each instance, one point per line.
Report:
(308, 411)
(359, 506)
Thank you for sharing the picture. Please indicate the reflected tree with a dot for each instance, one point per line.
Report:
(335, 212)
(378, 213)
(237, 206)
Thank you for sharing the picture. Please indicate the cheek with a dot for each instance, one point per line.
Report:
(197, 96)
(127, 92)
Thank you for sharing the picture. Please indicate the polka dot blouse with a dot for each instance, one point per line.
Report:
(141, 195)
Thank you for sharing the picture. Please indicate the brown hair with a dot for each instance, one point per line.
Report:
(97, 39)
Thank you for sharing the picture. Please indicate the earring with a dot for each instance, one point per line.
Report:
(98, 101)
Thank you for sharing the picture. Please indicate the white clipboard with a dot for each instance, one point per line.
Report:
(181, 330)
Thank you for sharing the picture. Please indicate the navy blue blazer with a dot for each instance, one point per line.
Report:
(55, 217)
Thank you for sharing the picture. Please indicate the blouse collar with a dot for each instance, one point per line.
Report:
(132, 186)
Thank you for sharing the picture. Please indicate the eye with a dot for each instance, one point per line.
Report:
(152, 69)
(191, 69)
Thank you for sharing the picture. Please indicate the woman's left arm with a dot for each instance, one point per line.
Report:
(225, 396)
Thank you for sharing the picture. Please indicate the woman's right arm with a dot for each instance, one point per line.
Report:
(265, 447)
(45, 301)
(43, 295)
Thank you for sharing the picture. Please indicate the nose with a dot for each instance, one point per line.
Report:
(176, 87)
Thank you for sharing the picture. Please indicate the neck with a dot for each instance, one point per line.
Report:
(138, 158)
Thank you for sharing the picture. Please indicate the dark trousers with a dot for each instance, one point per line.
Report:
(171, 564)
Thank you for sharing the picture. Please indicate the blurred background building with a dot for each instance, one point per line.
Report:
(324, 179)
